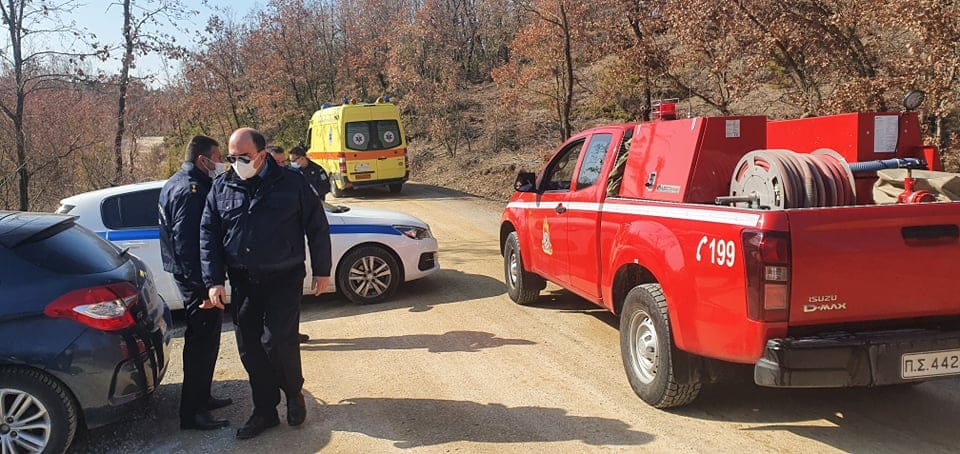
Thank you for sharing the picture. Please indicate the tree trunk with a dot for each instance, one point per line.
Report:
(567, 98)
(22, 172)
(122, 101)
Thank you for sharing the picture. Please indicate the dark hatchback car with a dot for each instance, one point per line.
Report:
(83, 334)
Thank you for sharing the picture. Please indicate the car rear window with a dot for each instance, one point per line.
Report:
(373, 135)
(70, 249)
(131, 210)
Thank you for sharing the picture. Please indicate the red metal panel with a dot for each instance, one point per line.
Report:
(857, 137)
(862, 258)
(725, 141)
(691, 159)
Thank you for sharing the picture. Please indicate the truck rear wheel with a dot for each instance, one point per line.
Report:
(522, 286)
(395, 188)
(646, 346)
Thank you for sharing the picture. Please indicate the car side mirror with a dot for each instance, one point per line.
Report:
(525, 182)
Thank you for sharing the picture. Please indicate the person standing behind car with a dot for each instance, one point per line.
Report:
(181, 207)
(253, 222)
(311, 170)
(276, 153)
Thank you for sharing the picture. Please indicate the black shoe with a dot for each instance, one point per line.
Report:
(303, 337)
(202, 421)
(214, 403)
(256, 425)
(296, 410)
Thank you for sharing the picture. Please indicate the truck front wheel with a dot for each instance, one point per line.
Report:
(646, 346)
(522, 286)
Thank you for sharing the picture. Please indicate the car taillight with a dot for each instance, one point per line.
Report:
(343, 165)
(105, 308)
(767, 259)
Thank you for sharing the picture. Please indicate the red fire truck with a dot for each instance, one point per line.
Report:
(740, 240)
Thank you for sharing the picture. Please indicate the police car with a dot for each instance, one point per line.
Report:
(373, 251)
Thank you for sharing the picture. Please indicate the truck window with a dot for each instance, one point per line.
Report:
(372, 135)
(593, 160)
(559, 174)
(615, 180)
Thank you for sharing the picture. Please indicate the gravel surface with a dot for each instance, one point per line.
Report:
(452, 365)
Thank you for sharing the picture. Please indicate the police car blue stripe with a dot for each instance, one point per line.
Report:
(133, 234)
(340, 229)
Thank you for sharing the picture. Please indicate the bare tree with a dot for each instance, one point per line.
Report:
(140, 37)
(24, 21)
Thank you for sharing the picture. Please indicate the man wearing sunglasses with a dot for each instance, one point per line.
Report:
(252, 220)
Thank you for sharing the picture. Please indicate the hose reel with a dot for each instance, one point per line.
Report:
(781, 179)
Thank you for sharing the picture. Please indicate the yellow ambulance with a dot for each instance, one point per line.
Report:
(359, 145)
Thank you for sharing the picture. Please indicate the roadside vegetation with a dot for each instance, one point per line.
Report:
(486, 87)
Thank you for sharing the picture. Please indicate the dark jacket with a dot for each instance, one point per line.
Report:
(257, 226)
(181, 207)
(317, 177)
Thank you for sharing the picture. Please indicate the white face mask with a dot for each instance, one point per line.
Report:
(245, 170)
(218, 168)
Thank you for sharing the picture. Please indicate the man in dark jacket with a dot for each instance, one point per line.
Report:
(276, 152)
(311, 170)
(181, 207)
(253, 224)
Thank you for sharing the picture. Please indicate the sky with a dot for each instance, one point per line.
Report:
(100, 18)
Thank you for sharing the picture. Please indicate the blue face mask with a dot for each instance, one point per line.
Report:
(294, 165)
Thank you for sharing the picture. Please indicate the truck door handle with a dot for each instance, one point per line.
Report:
(132, 244)
(382, 159)
(560, 209)
(930, 235)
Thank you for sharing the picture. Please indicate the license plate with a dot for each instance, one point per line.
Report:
(930, 364)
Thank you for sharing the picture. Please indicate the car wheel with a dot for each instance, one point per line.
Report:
(522, 286)
(368, 274)
(395, 188)
(649, 356)
(38, 413)
(335, 190)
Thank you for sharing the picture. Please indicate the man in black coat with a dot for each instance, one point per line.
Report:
(181, 207)
(311, 170)
(253, 224)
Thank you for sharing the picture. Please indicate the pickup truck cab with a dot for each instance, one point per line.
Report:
(853, 294)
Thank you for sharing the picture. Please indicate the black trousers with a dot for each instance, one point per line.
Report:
(267, 317)
(201, 345)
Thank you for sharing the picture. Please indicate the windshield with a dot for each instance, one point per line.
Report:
(373, 135)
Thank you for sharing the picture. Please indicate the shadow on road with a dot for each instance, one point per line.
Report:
(412, 423)
(568, 302)
(155, 425)
(886, 419)
(408, 423)
(453, 341)
(443, 287)
(410, 191)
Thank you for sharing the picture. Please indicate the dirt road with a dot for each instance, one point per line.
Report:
(452, 365)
